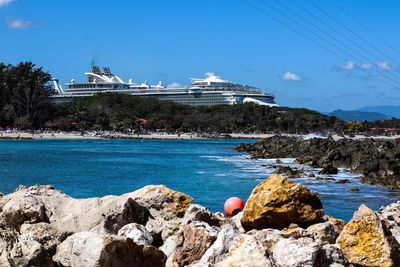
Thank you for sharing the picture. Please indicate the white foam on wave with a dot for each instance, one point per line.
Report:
(329, 189)
(313, 135)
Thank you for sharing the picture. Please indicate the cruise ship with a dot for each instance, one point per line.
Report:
(211, 90)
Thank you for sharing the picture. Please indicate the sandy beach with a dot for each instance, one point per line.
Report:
(18, 135)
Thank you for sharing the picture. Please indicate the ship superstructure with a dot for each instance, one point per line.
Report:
(211, 90)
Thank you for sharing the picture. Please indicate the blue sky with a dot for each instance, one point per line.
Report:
(174, 40)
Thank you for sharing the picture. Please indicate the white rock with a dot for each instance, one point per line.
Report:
(220, 248)
(91, 249)
(296, 252)
(169, 245)
(246, 251)
(137, 232)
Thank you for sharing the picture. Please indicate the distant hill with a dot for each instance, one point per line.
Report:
(391, 111)
(355, 115)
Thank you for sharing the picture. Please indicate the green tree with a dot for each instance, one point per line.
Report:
(29, 91)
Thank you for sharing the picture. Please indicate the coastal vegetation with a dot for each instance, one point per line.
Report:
(131, 113)
(24, 96)
(25, 104)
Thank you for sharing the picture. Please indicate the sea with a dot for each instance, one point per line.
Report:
(209, 170)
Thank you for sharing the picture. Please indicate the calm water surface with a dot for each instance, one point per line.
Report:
(208, 170)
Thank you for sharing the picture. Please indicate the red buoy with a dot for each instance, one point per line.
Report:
(233, 206)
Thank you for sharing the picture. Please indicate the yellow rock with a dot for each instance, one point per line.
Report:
(277, 202)
(363, 240)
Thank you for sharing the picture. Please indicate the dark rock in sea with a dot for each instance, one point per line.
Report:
(329, 169)
(291, 173)
(343, 181)
(354, 190)
(377, 159)
(327, 179)
(278, 161)
(311, 175)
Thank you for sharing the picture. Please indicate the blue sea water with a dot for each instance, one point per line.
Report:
(208, 170)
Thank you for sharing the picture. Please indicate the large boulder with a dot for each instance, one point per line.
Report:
(193, 242)
(390, 216)
(277, 202)
(329, 169)
(91, 249)
(363, 240)
(23, 207)
(161, 199)
(246, 250)
(45, 234)
(304, 251)
(69, 215)
(298, 248)
(167, 208)
(22, 251)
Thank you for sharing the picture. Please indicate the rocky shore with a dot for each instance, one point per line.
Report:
(282, 225)
(378, 160)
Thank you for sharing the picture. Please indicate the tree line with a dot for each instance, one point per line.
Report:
(112, 111)
(25, 103)
(24, 96)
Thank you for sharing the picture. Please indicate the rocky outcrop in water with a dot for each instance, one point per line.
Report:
(156, 226)
(377, 159)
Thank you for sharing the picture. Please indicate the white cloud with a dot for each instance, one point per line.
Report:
(384, 65)
(366, 66)
(349, 66)
(174, 85)
(5, 2)
(289, 76)
(18, 23)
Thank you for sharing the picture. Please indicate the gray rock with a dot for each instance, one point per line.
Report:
(169, 245)
(45, 234)
(137, 232)
(91, 249)
(220, 248)
(304, 251)
(325, 231)
(21, 251)
(246, 250)
(24, 207)
(197, 212)
(235, 220)
(334, 256)
(167, 208)
(68, 215)
(390, 217)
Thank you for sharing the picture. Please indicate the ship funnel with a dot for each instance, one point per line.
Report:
(96, 70)
(107, 71)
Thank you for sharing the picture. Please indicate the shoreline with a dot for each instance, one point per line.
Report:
(20, 135)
